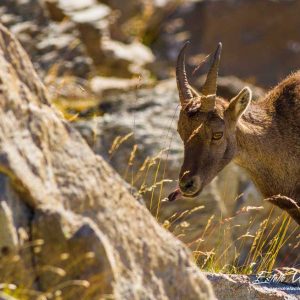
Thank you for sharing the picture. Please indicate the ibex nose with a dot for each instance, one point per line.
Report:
(189, 186)
(186, 184)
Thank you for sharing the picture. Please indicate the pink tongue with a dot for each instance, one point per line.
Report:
(173, 196)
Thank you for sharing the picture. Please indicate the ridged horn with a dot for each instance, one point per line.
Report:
(185, 94)
(210, 85)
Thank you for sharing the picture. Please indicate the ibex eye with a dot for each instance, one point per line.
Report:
(217, 135)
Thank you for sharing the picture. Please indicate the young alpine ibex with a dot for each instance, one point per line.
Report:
(261, 136)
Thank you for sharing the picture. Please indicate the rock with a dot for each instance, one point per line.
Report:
(251, 49)
(55, 181)
(91, 14)
(24, 10)
(127, 58)
(147, 118)
(92, 21)
(4, 296)
(77, 5)
(54, 47)
(153, 110)
(247, 287)
(102, 86)
(76, 38)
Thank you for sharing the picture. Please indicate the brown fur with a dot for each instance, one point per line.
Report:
(268, 138)
(264, 140)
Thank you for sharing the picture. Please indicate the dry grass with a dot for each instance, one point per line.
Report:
(60, 269)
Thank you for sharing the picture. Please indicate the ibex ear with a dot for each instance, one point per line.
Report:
(239, 103)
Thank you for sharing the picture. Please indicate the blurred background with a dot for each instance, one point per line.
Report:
(109, 68)
(126, 38)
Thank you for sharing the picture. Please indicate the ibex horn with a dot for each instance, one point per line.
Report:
(210, 85)
(185, 93)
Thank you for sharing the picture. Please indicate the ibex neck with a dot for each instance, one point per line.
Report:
(262, 151)
(253, 144)
(251, 130)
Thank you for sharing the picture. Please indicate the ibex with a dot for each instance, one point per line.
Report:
(261, 136)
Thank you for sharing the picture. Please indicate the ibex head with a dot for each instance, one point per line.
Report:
(207, 126)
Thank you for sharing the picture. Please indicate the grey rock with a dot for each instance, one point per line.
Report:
(103, 86)
(77, 5)
(51, 45)
(234, 287)
(131, 57)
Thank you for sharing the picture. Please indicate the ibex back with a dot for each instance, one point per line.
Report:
(261, 136)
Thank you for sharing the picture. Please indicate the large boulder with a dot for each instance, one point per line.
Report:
(72, 229)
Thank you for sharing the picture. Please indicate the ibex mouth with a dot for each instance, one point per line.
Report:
(177, 193)
(174, 195)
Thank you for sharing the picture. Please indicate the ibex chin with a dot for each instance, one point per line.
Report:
(261, 136)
